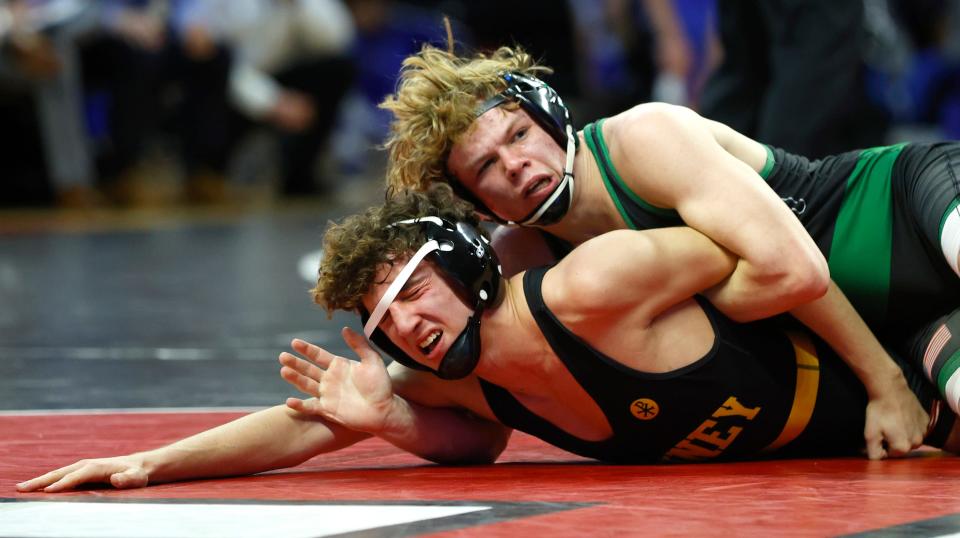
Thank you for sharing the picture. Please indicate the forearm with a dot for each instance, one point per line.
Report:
(833, 318)
(751, 293)
(443, 435)
(270, 439)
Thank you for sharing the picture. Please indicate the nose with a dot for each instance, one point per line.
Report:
(403, 319)
(513, 161)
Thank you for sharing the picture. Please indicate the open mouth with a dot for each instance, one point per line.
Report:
(429, 343)
(538, 185)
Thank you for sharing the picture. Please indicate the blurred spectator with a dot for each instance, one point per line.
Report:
(792, 75)
(544, 28)
(290, 69)
(698, 19)
(39, 57)
(615, 54)
(387, 32)
(915, 65)
(141, 73)
(634, 51)
(209, 69)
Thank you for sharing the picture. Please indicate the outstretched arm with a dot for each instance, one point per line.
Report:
(270, 439)
(360, 396)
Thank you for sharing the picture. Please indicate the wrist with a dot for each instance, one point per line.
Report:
(150, 463)
(883, 382)
(397, 418)
(163, 464)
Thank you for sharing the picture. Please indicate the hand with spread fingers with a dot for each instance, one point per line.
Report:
(121, 472)
(357, 395)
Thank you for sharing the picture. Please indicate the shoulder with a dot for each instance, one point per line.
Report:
(648, 121)
(652, 138)
(662, 151)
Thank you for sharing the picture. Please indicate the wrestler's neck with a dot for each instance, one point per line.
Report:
(592, 211)
(514, 355)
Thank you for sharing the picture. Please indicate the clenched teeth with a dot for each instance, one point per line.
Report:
(427, 342)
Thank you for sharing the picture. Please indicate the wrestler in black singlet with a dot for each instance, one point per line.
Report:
(765, 388)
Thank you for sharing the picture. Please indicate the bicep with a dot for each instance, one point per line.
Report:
(713, 191)
(735, 208)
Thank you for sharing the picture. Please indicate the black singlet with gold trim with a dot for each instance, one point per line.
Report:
(764, 388)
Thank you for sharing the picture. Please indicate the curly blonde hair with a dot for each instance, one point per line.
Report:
(356, 248)
(435, 104)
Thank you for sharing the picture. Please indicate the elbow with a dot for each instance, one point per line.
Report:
(803, 289)
(482, 452)
(815, 280)
(478, 457)
(803, 280)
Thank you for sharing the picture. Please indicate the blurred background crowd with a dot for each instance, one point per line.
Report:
(113, 103)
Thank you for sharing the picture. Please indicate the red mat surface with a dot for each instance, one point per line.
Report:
(786, 498)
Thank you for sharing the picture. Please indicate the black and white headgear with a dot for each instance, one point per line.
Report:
(464, 255)
(546, 108)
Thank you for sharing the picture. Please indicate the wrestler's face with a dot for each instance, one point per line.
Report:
(508, 162)
(427, 315)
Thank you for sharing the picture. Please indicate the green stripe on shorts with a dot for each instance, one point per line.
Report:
(860, 255)
(949, 368)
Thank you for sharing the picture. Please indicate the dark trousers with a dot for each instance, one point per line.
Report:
(326, 80)
(792, 75)
(139, 93)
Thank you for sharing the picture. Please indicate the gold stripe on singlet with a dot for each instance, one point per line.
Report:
(805, 394)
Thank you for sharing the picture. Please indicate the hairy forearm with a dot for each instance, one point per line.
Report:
(270, 439)
(443, 435)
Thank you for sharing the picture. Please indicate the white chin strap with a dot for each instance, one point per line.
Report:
(397, 285)
(567, 178)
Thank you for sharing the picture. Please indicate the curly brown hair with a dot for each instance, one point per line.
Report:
(435, 104)
(355, 249)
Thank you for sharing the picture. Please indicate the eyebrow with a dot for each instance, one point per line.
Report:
(416, 278)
